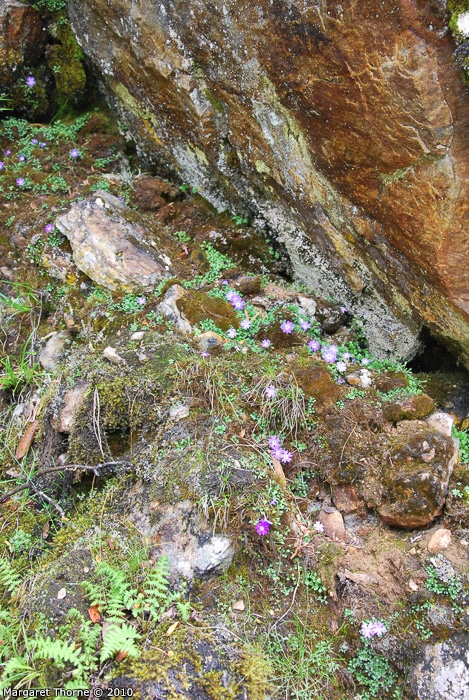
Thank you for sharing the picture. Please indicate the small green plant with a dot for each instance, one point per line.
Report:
(373, 672)
(313, 582)
(449, 585)
(463, 437)
(182, 236)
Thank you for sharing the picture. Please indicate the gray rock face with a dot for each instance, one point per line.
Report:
(49, 355)
(443, 674)
(107, 248)
(178, 531)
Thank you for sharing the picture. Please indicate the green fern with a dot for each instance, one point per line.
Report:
(60, 652)
(184, 609)
(156, 588)
(119, 638)
(115, 595)
(9, 578)
(17, 672)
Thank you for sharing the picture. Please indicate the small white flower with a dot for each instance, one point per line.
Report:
(318, 526)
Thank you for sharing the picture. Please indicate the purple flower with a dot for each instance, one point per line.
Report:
(141, 300)
(271, 391)
(305, 325)
(274, 442)
(74, 153)
(21, 158)
(340, 380)
(341, 366)
(42, 144)
(318, 526)
(372, 629)
(263, 527)
(245, 323)
(30, 81)
(274, 502)
(344, 309)
(7, 153)
(284, 456)
(49, 228)
(329, 356)
(287, 327)
(231, 333)
(346, 356)
(266, 343)
(224, 281)
(34, 142)
(2, 165)
(238, 304)
(204, 354)
(313, 345)
(20, 181)
(231, 295)
(365, 361)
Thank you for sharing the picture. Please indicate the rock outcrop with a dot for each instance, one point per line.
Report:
(22, 39)
(107, 248)
(342, 128)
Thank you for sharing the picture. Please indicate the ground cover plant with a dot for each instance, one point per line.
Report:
(254, 452)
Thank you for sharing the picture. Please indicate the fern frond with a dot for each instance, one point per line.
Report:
(119, 638)
(16, 673)
(59, 651)
(115, 595)
(157, 587)
(9, 578)
(184, 609)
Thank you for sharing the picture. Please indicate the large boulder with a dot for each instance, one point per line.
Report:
(341, 126)
(109, 249)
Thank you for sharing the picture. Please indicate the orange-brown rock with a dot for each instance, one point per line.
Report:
(408, 408)
(343, 127)
(317, 383)
(22, 39)
(415, 474)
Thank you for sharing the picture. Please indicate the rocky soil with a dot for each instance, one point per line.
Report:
(211, 488)
(214, 486)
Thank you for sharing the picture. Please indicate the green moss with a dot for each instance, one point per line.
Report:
(66, 63)
(198, 306)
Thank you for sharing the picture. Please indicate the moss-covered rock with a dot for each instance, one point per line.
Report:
(408, 408)
(415, 476)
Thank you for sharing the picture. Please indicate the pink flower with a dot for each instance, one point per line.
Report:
(287, 327)
(74, 153)
(305, 325)
(274, 442)
(271, 391)
(245, 324)
(313, 345)
(365, 361)
(266, 343)
(375, 628)
(263, 527)
(20, 181)
(49, 228)
(238, 304)
(329, 356)
(204, 354)
(318, 526)
(30, 81)
(285, 456)
(231, 295)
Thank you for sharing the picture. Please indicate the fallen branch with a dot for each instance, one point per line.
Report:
(41, 472)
